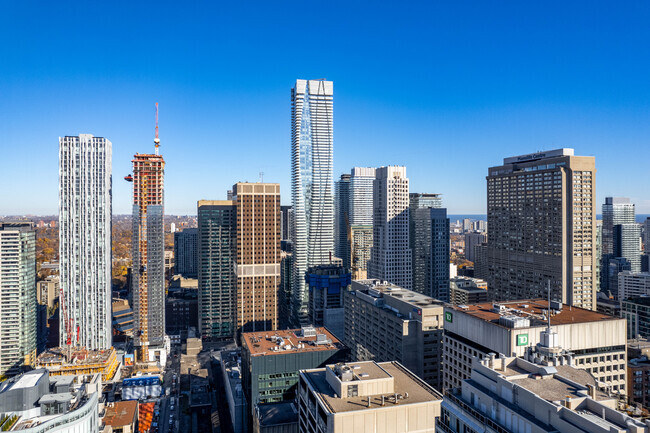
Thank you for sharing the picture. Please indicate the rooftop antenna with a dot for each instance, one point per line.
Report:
(549, 304)
(157, 140)
(261, 177)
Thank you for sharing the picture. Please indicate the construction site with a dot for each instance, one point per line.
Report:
(78, 361)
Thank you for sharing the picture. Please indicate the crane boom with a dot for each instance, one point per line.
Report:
(157, 140)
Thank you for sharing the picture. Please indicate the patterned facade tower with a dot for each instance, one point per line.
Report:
(148, 277)
(85, 200)
(311, 184)
(390, 257)
(257, 264)
(542, 227)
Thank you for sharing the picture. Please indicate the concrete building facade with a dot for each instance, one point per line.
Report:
(542, 220)
(366, 397)
(18, 320)
(385, 322)
(85, 210)
(390, 257)
(257, 263)
(632, 284)
(509, 394)
(468, 291)
(597, 342)
(311, 184)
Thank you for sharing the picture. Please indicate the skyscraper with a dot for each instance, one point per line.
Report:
(311, 183)
(185, 246)
(429, 242)
(17, 296)
(361, 199)
(616, 210)
(85, 200)
(217, 281)
(390, 257)
(342, 219)
(257, 263)
(542, 227)
(148, 277)
(626, 244)
(361, 211)
(430, 258)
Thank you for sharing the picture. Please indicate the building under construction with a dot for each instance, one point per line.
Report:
(76, 362)
(148, 278)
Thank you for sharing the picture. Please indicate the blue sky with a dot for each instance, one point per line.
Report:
(446, 88)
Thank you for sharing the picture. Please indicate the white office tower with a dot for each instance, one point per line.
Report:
(85, 200)
(390, 257)
(311, 184)
(361, 205)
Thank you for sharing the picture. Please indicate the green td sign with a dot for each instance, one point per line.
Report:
(522, 340)
(449, 317)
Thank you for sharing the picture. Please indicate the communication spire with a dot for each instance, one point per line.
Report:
(157, 140)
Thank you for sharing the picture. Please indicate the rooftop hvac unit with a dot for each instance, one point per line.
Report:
(514, 322)
(308, 331)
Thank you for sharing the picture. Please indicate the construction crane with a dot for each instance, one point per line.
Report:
(68, 322)
(156, 140)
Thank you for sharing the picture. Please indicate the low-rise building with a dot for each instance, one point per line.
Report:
(276, 418)
(467, 291)
(232, 378)
(270, 361)
(511, 394)
(35, 402)
(366, 397)
(638, 371)
(122, 416)
(597, 341)
(633, 284)
(636, 311)
(384, 322)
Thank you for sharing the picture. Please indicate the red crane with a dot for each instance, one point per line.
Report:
(68, 322)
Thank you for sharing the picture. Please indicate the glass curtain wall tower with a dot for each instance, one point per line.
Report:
(148, 276)
(85, 200)
(311, 184)
(17, 296)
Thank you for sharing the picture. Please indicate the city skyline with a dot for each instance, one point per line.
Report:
(511, 84)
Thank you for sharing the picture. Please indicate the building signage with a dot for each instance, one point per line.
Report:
(522, 340)
(449, 317)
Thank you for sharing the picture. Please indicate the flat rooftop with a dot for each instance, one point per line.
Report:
(79, 357)
(288, 341)
(554, 388)
(28, 380)
(374, 287)
(404, 382)
(277, 414)
(534, 310)
(121, 413)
